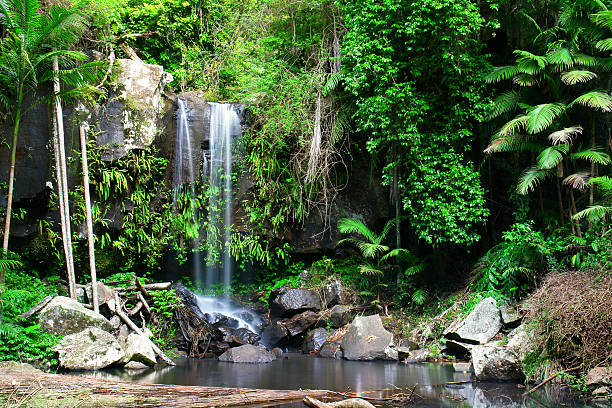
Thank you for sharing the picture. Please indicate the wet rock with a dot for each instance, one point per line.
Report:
(247, 354)
(115, 322)
(90, 349)
(510, 316)
(277, 352)
(237, 337)
(134, 365)
(496, 363)
(299, 323)
(331, 349)
(314, 340)
(289, 301)
(367, 339)
(457, 348)
(339, 315)
(599, 377)
(63, 316)
(334, 293)
(462, 367)
(274, 334)
(138, 348)
(480, 326)
(416, 357)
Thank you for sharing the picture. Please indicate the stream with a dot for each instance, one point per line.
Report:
(298, 371)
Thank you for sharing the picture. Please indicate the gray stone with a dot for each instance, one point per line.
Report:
(247, 354)
(63, 316)
(105, 295)
(480, 326)
(135, 365)
(416, 357)
(599, 376)
(115, 322)
(123, 333)
(289, 301)
(457, 348)
(138, 348)
(496, 363)
(510, 316)
(334, 293)
(314, 340)
(274, 334)
(462, 367)
(602, 391)
(367, 339)
(331, 349)
(277, 352)
(90, 349)
(299, 323)
(519, 341)
(339, 315)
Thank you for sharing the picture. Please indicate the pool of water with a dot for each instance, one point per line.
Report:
(437, 385)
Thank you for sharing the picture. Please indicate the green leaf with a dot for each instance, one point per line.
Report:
(530, 179)
(604, 45)
(514, 125)
(577, 76)
(561, 57)
(502, 74)
(593, 213)
(593, 155)
(552, 156)
(542, 116)
(504, 103)
(595, 99)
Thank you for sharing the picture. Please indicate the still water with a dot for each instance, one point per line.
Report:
(302, 372)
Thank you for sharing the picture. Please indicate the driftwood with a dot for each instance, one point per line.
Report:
(21, 385)
(349, 403)
(132, 326)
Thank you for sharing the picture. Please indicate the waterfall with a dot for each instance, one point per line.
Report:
(224, 125)
(182, 151)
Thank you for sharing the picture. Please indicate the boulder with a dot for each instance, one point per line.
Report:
(457, 348)
(138, 348)
(367, 339)
(510, 316)
(339, 315)
(299, 323)
(416, 356)
(274, 334)
(63, 316)
(519, 341)
(289, 301)
(496, 363)
(480, 326)
(105, 294)
(247, 354)
(134, 365)
(599, 377)
(462, 367)
(331, 349)
(314, 340)
(334, 293)
(90, 349)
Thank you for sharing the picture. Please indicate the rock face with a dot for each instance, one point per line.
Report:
(247, 354)
(367, 339)
(63, 316)
(274, 334)
(416, 356)
(339, 315)
(138, 348)
(496, 363)
(298, 323)
(289, 301)
(334, 293)
(90, 349)
(132, 116)
(479, 326)
(314, 340)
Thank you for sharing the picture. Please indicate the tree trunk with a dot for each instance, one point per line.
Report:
(559, 195)
(64, 181)
(577, 223)
(90, 239)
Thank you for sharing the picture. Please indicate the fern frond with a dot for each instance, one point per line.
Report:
(530, 179)
(564, 135)
(504, 103)
(415, 269)
(560, 57)
(501, 74)
(604, 45)
(603, 19)
(370, 270)
(552, 156)
(355, 226)
(419, 297)
(577, 76)
(596, 100)
(593, 155)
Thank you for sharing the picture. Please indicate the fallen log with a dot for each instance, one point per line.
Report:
(348, 403)
(21, 382)
(147, 286)
(132, 326)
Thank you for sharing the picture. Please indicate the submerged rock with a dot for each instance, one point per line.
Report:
(247, 354)
(314, 340)
(90, 349)
(63, 316)
(289, 301)
(367, 339)
(480, 326)
(496, 363)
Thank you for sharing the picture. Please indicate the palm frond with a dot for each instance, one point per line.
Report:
(386, 229)
(504, 103)
(501, 74)
(513, 126)
(529, 63)
(530, 179)
(596, 100)
(415, 269)
(331, 83)
(525, 80)
(419, 297)
(594, 213)
(513, 143)
(577, 76)
(586, 60)
(355, 226)
(593, 155)
(560, 57)
(542, 116)
(370, 250)
(577, 181)
(604, 45)
(370, 270)
(552, 156)
(564, 135)
(397, 253)
(603, 19)
(604, 182)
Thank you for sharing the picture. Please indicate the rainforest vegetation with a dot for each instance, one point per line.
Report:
(484, 126)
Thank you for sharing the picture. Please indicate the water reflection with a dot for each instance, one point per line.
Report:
(302, 372)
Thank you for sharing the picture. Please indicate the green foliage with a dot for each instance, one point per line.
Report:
(162, 324)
